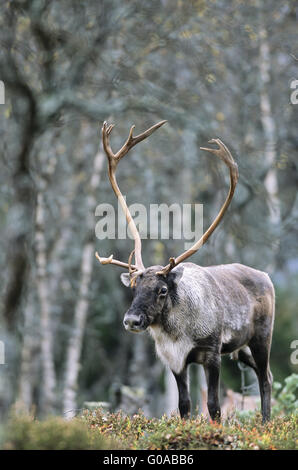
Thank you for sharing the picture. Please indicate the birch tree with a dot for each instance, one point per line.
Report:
(171, 393)
(48, 384)
(81, 309)
(29, 363)
(270, 136)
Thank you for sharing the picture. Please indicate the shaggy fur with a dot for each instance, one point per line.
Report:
(206, 312)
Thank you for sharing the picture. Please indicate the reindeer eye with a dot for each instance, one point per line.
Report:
(163, 290)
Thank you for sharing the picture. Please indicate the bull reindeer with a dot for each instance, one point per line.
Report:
(195, 313)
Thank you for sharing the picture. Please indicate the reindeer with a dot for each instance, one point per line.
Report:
(196, 314)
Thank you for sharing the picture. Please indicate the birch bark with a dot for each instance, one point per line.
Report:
(269, 130)
(48, 384)
(29, 357)
(81, 309)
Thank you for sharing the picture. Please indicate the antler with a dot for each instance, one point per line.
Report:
(113, 160)
(224, 154)
(110, 260)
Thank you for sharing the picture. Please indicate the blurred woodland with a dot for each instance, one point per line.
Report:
(213, 69)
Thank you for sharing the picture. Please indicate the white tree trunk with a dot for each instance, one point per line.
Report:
(269, 129)
(138, 370)
(203, 391)
(75, 341)
(47, 360)
(171, 393)
(27, 370)
(81, 308)
(61, 244)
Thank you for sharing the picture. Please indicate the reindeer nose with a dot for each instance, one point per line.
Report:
(133, 322)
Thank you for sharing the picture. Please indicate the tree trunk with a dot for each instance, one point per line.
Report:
(139, 367)
(203, 391)
(81, 309)
(28, 371)
(171, 393)
(269, 130)
(48, 384)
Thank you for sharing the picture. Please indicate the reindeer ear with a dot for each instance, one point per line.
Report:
(125, 279)
(176, 274)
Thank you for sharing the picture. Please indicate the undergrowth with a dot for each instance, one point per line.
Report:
(98, 430)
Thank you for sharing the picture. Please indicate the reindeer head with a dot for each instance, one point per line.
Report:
(153, 297)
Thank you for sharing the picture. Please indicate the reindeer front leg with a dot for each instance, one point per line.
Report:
(184, 399)
(212, 371)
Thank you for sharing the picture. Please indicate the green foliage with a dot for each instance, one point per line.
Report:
(23, 432)
(139, 432)
(286, 396)
(285, 329)
(98, 430)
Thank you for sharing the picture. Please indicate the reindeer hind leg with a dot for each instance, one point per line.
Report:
(260, 349)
